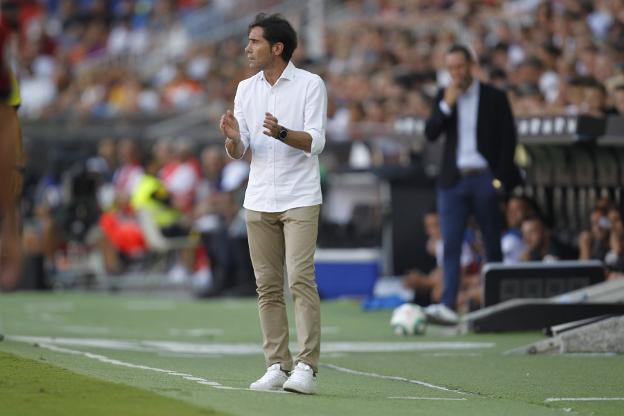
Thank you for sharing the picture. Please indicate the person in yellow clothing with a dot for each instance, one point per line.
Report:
(151, 195)
(12, 157)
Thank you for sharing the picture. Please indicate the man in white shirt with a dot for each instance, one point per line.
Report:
(280, 114)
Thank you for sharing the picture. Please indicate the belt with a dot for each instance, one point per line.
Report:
(473, 172)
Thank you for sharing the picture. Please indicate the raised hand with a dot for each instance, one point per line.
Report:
(451, 93)
(271, 125)
(229, 126)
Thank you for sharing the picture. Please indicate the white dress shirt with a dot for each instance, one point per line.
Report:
(468, 157)
(282, 177)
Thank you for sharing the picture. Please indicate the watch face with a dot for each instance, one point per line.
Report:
(283, 133)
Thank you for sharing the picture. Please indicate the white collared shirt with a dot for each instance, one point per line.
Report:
(282, 177)
(468, 156)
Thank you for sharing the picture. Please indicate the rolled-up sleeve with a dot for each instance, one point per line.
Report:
(315, 117)
(240, 117)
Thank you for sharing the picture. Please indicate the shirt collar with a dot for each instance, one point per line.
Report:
(288, 72)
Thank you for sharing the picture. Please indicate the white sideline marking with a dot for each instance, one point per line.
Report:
(396, 378)
(583, 399)
(238, 349)
(189, 377)
(209, 383)
(192, 378)
(427, 398)
(113, 361)
(195, 332)
(452, 354)
(214, 384)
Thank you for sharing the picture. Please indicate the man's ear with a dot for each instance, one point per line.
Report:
(277, 48)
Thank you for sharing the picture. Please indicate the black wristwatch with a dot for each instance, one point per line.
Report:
(283, 133)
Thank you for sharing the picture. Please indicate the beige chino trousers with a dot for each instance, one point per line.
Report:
(275, 239)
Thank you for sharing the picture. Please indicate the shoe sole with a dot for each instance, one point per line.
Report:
(294, 390)
(291, 390)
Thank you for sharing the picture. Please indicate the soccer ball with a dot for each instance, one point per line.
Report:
(408, 319)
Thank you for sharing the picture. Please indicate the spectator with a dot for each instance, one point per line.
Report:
(615, 257)
(618, 99)
(559, 42)
(429, 285)
(594, 98)
(152, 197)
(121, 237)
(182, 176)
(540, 243)
(129, 172)
(512, 244)
(594, 244)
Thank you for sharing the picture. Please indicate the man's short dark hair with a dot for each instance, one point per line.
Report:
(457, 48)
(277, 29)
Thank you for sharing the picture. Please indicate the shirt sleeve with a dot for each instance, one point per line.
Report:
(315, 117)
(240, 117)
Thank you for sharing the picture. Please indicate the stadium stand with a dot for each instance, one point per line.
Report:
(92, 70)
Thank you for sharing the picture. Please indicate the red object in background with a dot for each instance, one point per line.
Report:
(31, 12)
(186, 4)
(126, 236)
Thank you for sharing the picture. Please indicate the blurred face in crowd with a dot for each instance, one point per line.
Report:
(534, 234)
(432, 226)
(106, 149)
(619, 100)
(163, 151)
(517, 211)
(573, 95)
(459, 68)
(600, 225)
(260, 53)
(594, 101)
(127, 151)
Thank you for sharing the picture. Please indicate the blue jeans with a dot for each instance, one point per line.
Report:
(470, 195)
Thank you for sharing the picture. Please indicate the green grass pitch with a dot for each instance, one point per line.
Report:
(99, 354)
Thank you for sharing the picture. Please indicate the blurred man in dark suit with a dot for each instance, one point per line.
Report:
(477, 165)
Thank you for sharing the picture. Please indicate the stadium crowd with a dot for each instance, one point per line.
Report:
(382, 60)
(99, 208)
(95, 58)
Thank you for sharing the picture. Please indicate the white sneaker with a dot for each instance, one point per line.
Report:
(441, 314)
(301, 380)
(273, 379)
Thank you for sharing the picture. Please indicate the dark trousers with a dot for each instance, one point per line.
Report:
(476, 195)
